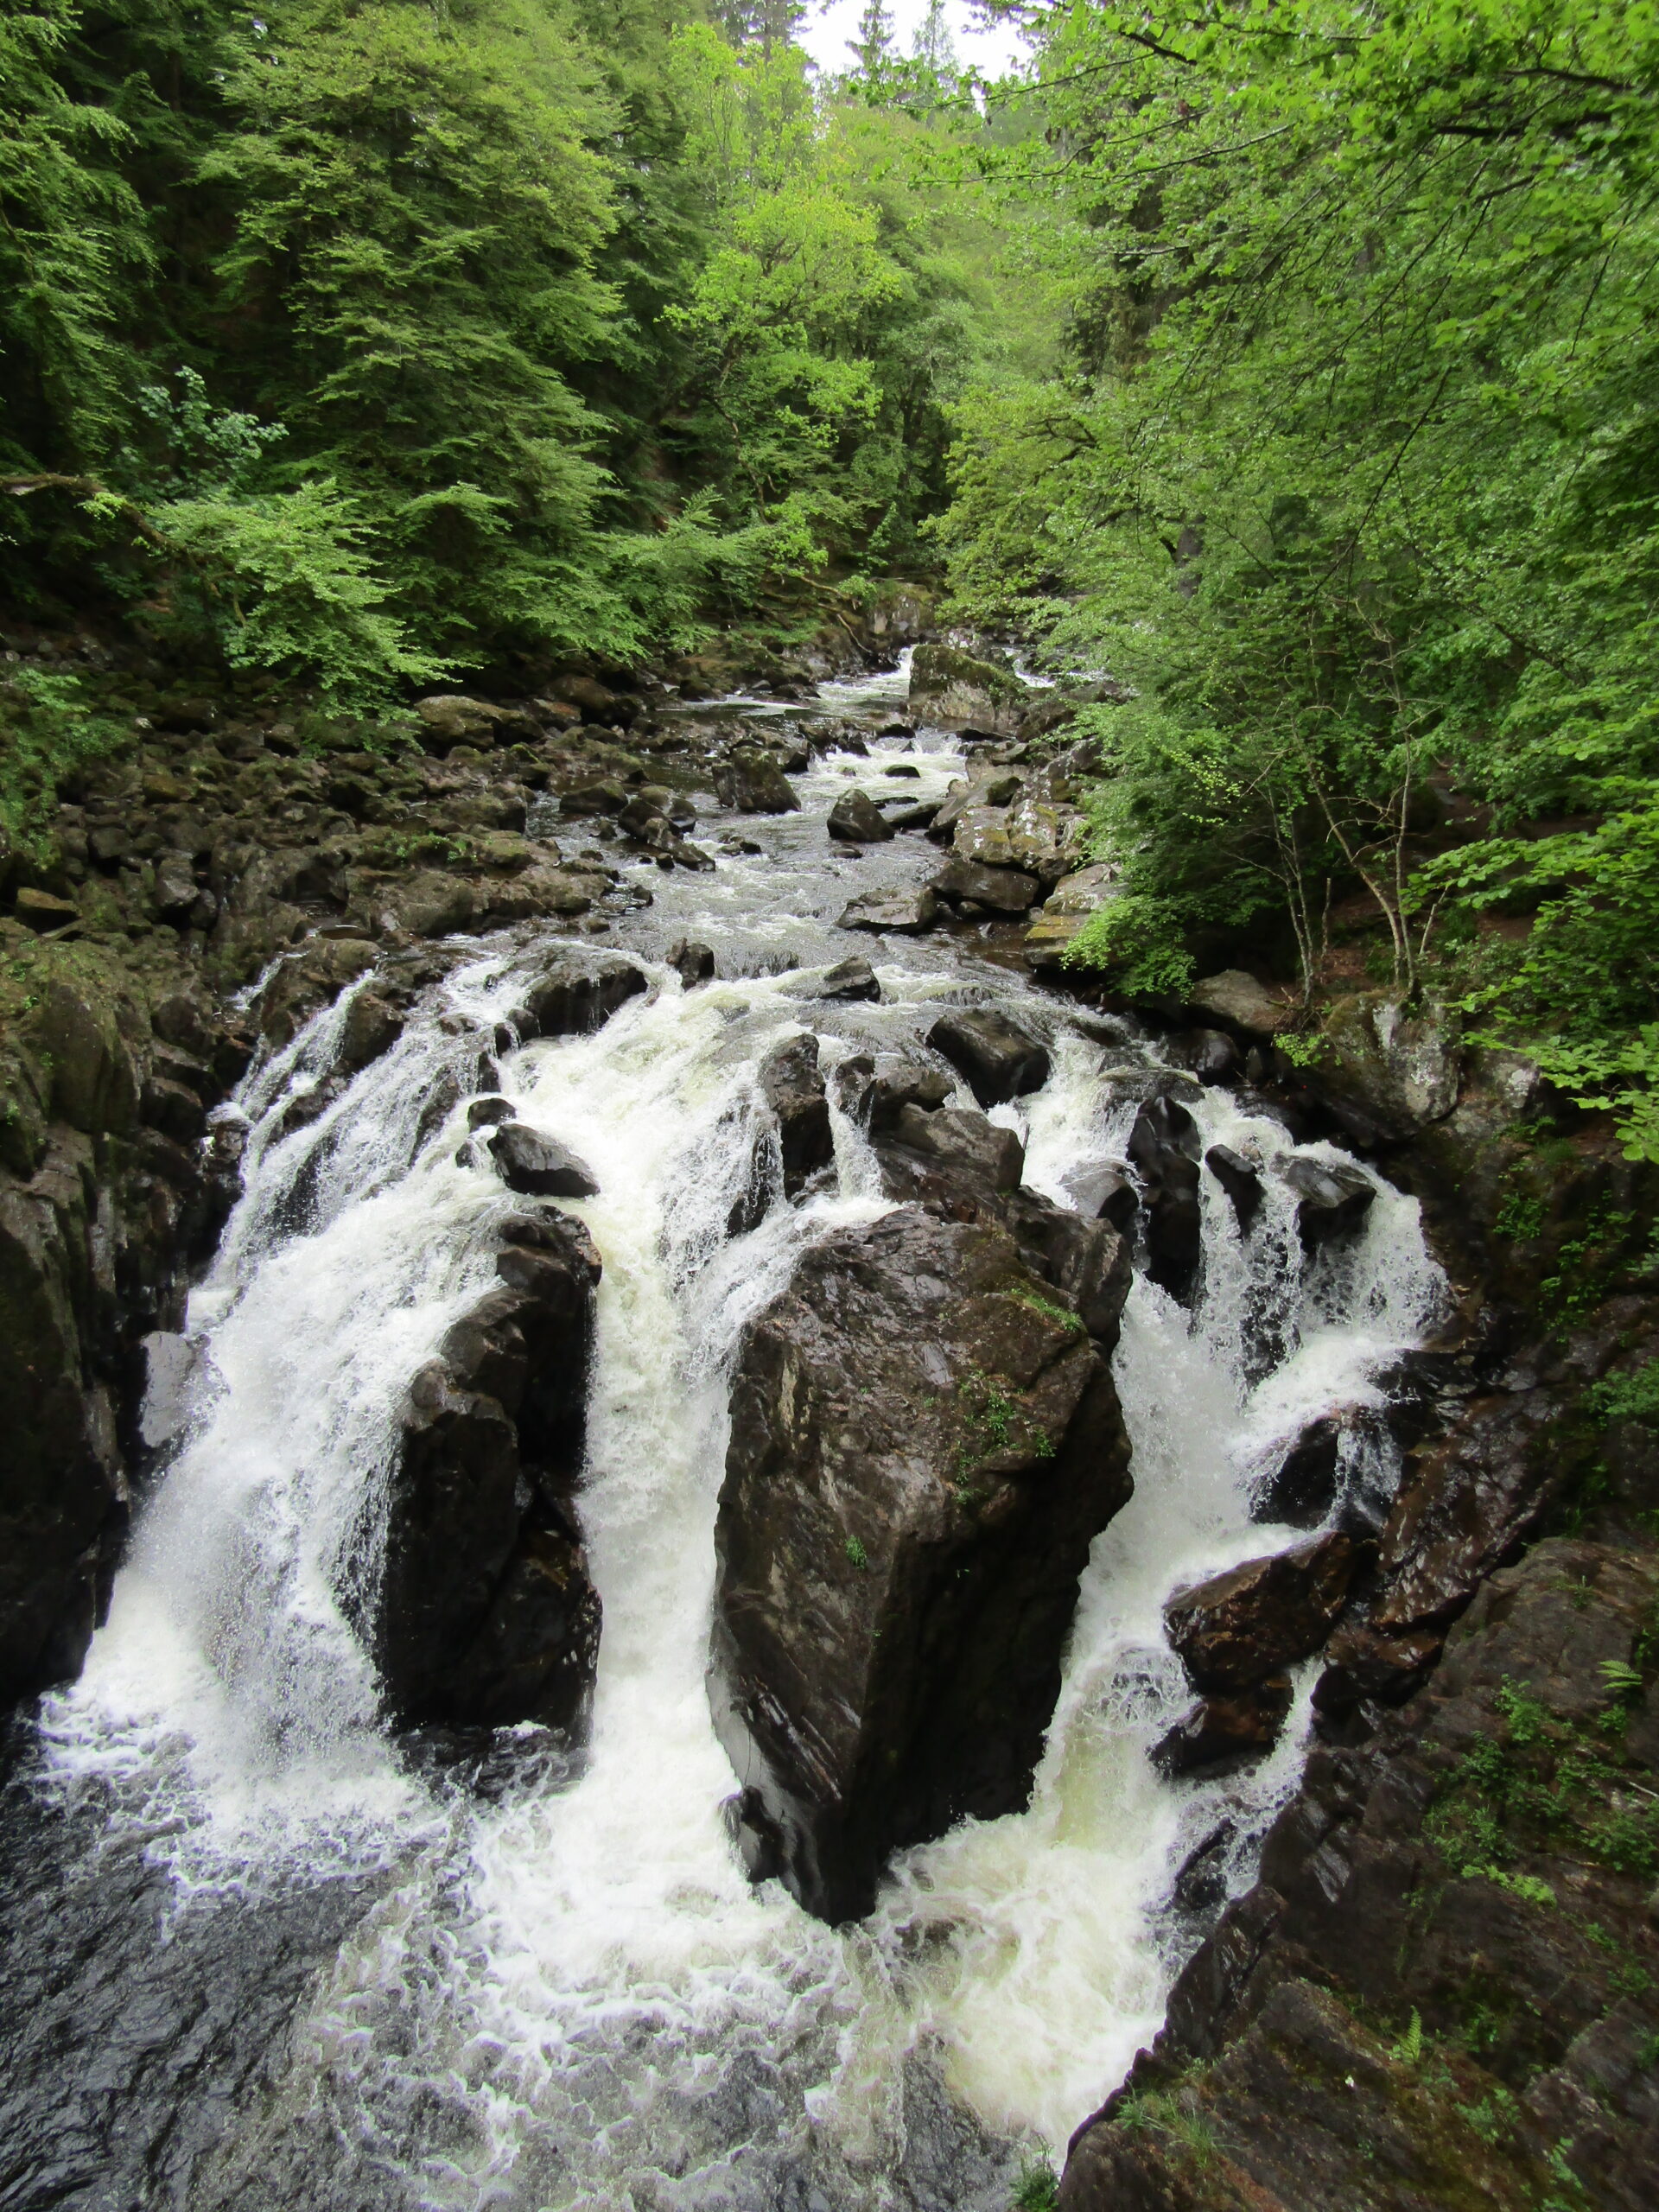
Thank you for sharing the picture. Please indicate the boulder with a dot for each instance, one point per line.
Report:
(1333, 1200)
(539, 1166)
(1044, 837)
(982, 835)
(1239, 1002)
(372, 1026)
(1066, 910)
(874, 1090)
(1220, 1734)
(1000, 890)
(952, 691)
(605, 796)
(485, 1615)
(575, 993)
(1387, 1074)
(308, 979)
(906, 913)
(936, 1154)
(94, 1081)
(692, 962)
(999, 1058)
(847, 982)
(427, 903)
(857, 820)
(1163, 1147)
(792, 1086)
(1301, 1488)
(985, 788)
(44, 910)
(1238, 1627)
(1241, 1178)
(751, 782)
(1100, 1193)
(450, 718)
(923, 1448)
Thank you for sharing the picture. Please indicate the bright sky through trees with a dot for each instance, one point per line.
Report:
(827, 30)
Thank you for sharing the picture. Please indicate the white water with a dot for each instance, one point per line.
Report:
(572, 1996)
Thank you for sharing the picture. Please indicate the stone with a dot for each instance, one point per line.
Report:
(606, 797)
(999, 1058)
(372, 1026)
(1210, 1054)
(541, 891)
(1044, 838)
(1332, 1200)
(576, 994)
(874, 1090)
(1000, 890)
(952, 691)
(922, 816)
(1220, 1734)
(903, 914)
(1301, 1488)
(857, 820)
(692, 962)
(943, 1154)
(1163, 1147)
(986, 786)
(919, 1459)
(792, 1085)
(751, 782)
(539, 1166)
(94, 1082)
(1064, 912)
(429, 903)
(1387, 1074)
(1102, 1194)
(44, 910)
(1238, 1627)
(848, 983)
(485, 1615)
(1239, 1002)
(450, 718)
(982, 835)
(1240, 1177)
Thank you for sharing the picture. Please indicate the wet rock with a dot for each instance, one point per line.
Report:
(874, 1090)
(576, 994)
(921, 816)
(1332, 1200)
(751, 782)
(308, 980)
(1363, 1665)
(919, 1460)
(1210, 1054)
(1222, 1733)
(1102, 1194)
(94, 1077)
(906, 913)
(1240, 1177)
(849, 982)
(946, 1155)
(985, 787)
(1163, 1147)
(1237, 1628)
(982, 835)
(540, 1167)
(999, 1058)
(1302, 1489)
(1242, 1004)
(486, 1615)
(692, 962)
(489, 1113)
(63, 1493)
(1000, 890)
(792, 1086)
(952, 691)
(372, 1026)
(857, 820)
(540, 892)
(605, 796)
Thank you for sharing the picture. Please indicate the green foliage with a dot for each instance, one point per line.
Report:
(857, 1554)
(1408, 2050)
(1038, 2189)
(372, 343)
(47, 730)
(1355, 479)
(1634, 1396)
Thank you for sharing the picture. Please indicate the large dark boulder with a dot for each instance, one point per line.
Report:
(1238, 1627)
(792, 1083)
(576, 993)
(857, 820)
(1332, 1200)
(751, 782)
(999, 890)
(485, 1615)
(538, 1167)
(1164, 1149)
(999, 1058)
(924, 1442)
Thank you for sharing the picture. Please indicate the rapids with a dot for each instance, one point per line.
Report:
(261, 1956)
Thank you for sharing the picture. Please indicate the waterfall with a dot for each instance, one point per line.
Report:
(565, 1991)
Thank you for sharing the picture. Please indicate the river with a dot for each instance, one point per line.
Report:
(259, 1955)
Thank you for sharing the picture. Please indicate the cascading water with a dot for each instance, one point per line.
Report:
(566, 1993)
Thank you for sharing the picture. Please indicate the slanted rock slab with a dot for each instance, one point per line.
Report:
(924, 1445)
(1238, 1627)
(999, 1057)
(540, 1167)
(907, 913)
